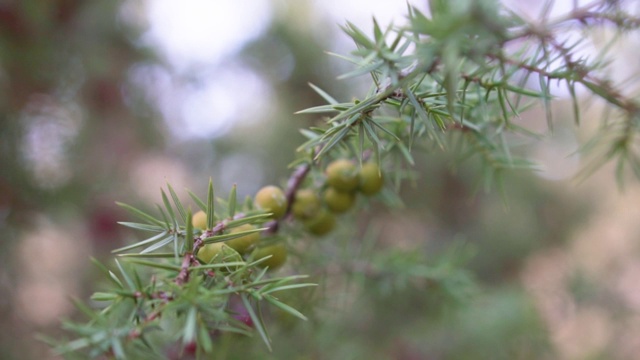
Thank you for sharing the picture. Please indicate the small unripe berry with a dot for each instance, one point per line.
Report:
(208, 251)
(322, 223)
(342, 174)
(243, 243)
(306, 204)
(371, 179)
(278, 252)
(199, 220)
(339, 201)
(271, 198)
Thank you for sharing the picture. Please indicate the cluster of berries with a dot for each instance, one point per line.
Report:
(315, 209)
(343, 182)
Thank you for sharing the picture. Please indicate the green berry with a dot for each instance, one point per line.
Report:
(243, 243)
(339, 201)
(271, 198)
(199, 220)
(278, 254)
(371, 179)
(209, 251)
(322, 223)
(306, 204)
(342, 174)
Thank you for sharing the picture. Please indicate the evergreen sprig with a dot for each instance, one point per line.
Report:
(154, 289)
(469, 68)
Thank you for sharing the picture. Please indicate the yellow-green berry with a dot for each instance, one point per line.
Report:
(199, 220)
(339, 201)
(371, 179)
(278, 254)
(322, 223)
(306, 204)
(271, 198)
(243, 243)
(208, 251)
(342, 174)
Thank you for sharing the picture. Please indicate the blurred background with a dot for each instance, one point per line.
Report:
(105, 101)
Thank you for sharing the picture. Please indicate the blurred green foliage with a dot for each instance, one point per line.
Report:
(65, 131)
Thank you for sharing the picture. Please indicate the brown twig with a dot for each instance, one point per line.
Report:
(189, 258)
(293, 184)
